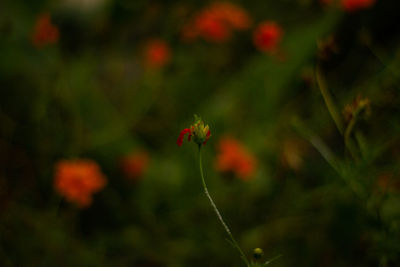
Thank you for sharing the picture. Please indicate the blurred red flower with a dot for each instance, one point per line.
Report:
(77, 180)
(211, 27)
(353, 5)
(44, 32)
(234, 16)
(157, 53)
(267, 36)
(135, 164)
(216, 22)
(234, 157)
(387, 183)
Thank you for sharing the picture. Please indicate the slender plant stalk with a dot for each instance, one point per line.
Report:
(347, 136)
(273, 259)
(319, 145)
(328, 155)
(228, 231)
(328, 100)
(335, 114)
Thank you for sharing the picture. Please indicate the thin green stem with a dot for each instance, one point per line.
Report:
(273, 259)
(328, 100)
(335, 114)
(347, 135)
(228, 231)
(327, 154)
(319, 145)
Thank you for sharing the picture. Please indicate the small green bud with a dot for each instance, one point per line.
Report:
(257, 253)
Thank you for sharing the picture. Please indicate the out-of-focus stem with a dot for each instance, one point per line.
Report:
(335, 114)
(347, 140)
(317, 142)
(273, 259)
(328, 100)
(228, 231)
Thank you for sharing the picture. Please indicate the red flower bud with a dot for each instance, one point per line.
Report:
(200, 132)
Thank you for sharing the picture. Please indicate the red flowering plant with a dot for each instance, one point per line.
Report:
(216, 22)
(349, 5)
(200, 133)
(267, 36)
(235, 158)
(157, 53)
(44, 32)
(77, 180)
(135, 164)
(354, 5)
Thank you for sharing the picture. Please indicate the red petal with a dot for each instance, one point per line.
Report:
(207, 137)
(182, 135)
